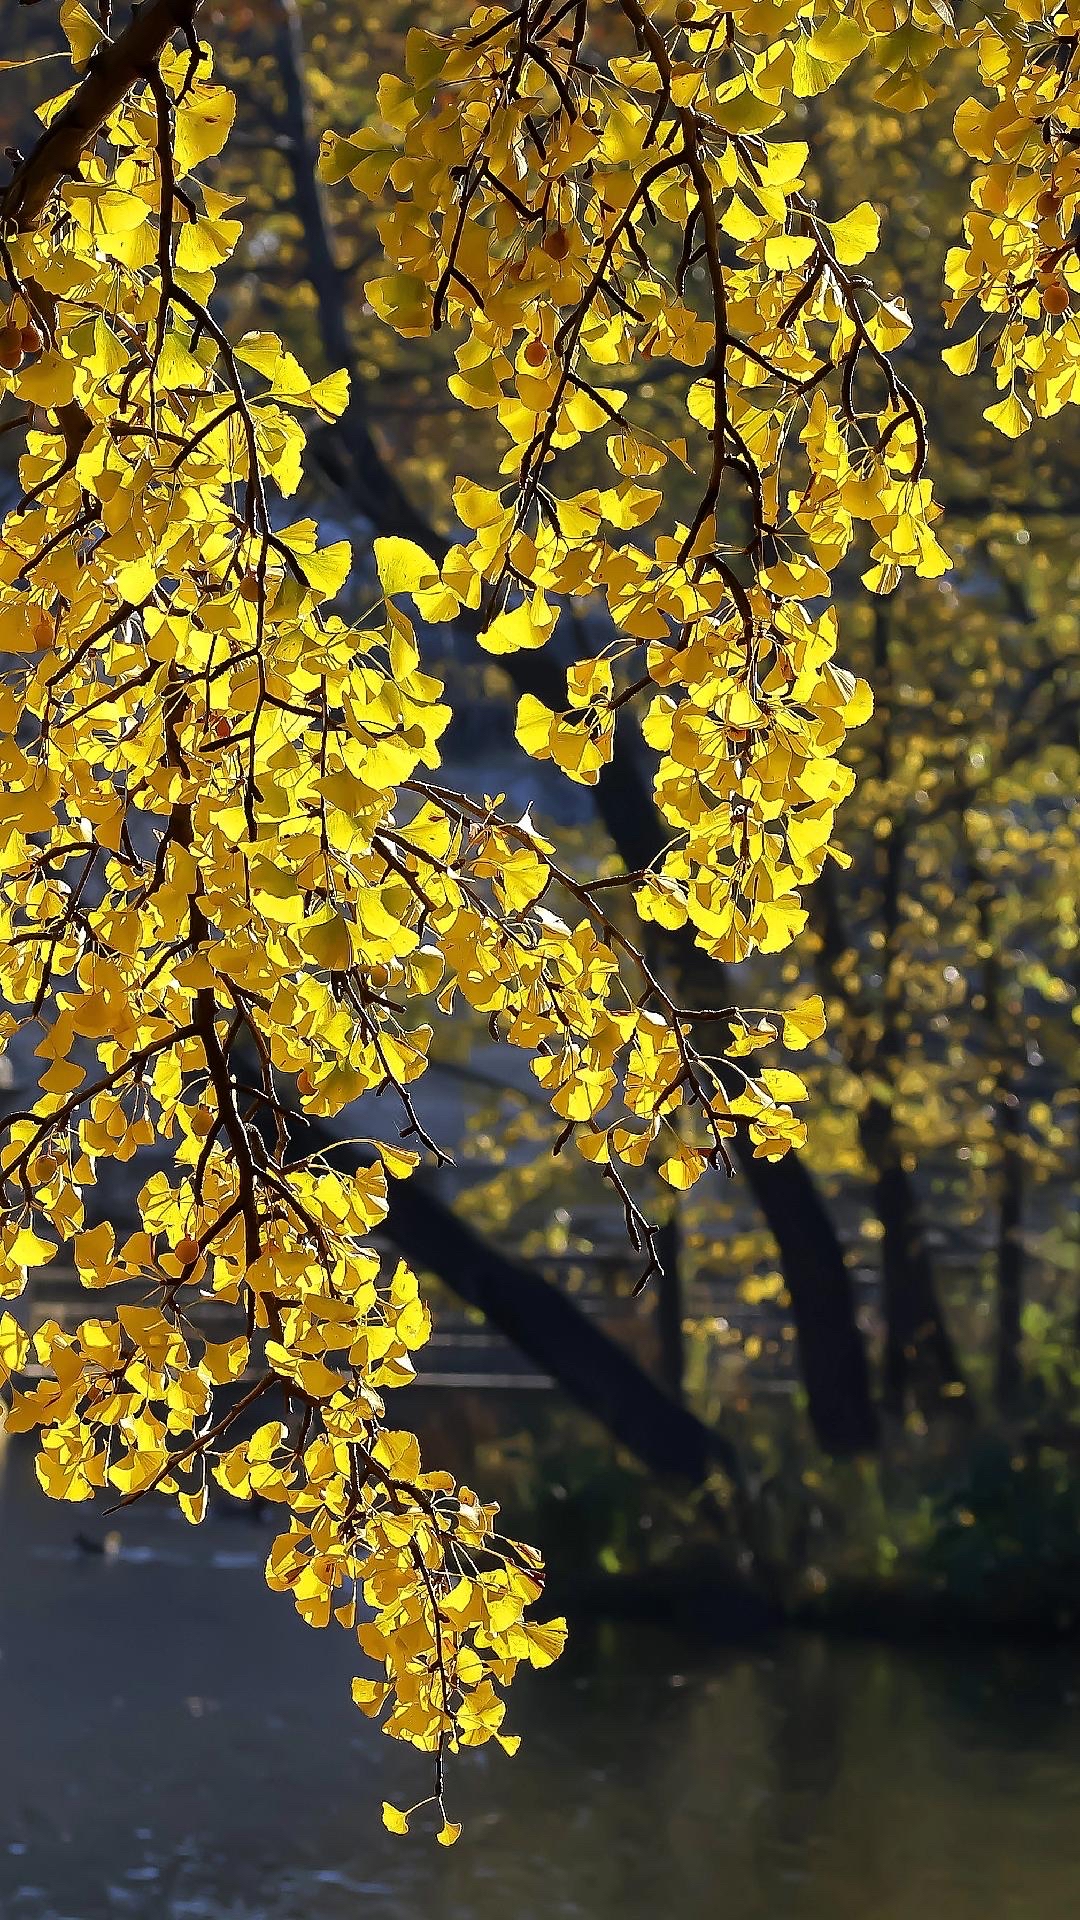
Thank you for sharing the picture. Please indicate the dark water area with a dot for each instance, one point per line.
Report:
(176, 1745)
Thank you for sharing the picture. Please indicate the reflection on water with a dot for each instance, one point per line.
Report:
(176, 1746)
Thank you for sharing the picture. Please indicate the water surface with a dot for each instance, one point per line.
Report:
(177, 1746)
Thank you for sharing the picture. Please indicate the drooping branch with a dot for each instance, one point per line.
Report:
(831, 1349)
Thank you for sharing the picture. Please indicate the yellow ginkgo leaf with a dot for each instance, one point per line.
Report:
(1010, 416)
(856, 235)
(329, 942)
(402, 565)
(804, 1023)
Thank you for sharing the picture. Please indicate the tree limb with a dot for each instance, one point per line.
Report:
(114, 69)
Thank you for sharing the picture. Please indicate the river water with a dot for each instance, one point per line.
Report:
(177, 1746)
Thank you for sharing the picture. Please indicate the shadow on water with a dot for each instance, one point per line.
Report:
(177, 1746)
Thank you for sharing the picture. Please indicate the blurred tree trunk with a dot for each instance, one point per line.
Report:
(1008, 1373)
(920, 1361)
(1005, 1046)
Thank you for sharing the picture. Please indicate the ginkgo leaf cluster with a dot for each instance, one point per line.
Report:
(234, 890)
